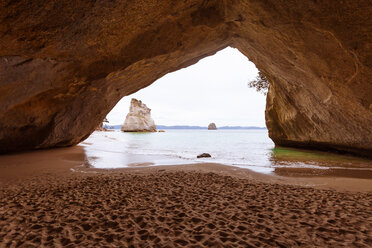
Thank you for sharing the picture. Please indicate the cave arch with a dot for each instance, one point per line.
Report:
(213, 90)
(64, 65)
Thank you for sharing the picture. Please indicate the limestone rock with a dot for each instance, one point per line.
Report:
(100, 128)
(212, 126)
(65, 64)
(139, 118)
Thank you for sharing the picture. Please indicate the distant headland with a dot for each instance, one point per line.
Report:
(193, 127)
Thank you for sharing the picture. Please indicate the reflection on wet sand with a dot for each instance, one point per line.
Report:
(75, 161)
(302, 163)
(21, 166)
(140, 164)
(306, 172)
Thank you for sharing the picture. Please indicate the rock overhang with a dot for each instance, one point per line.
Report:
(63, 69)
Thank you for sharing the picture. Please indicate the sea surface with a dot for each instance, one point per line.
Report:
(251, 149)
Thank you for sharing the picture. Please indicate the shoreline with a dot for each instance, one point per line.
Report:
(66, 162)
(59, 201)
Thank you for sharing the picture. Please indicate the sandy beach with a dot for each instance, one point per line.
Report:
(55, 200)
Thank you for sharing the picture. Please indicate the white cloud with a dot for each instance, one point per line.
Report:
(213, 90)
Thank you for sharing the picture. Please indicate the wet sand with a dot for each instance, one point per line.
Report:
(55, 200)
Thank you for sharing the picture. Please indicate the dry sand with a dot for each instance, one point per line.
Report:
(58, 202)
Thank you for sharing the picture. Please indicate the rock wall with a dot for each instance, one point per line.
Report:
(64, 65)
(139, 118)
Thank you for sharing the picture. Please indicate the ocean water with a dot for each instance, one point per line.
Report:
(251, 149)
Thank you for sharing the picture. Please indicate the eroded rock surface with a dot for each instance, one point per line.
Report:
(204, 155)
(212, 126)
(64, 65)
(139, 118)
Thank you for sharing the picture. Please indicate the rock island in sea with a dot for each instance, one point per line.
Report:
(139, 118)
(212, 126)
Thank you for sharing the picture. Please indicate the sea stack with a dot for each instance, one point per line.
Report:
(212, 126)
(139, 118)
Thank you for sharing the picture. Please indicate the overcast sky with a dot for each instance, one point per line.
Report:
(213, 90)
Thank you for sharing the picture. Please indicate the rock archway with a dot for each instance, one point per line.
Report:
(65, 64)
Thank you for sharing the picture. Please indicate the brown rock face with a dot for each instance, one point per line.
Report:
(212, 126)
(65, 64)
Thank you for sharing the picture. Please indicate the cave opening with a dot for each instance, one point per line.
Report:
(64, 65)
(213, 90)
(216, 89)
(183, 103)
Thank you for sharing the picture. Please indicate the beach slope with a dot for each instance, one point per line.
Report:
(177, 207)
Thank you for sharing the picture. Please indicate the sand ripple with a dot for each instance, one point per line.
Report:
(177, 209)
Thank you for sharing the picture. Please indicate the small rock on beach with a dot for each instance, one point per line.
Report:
(204, 155)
